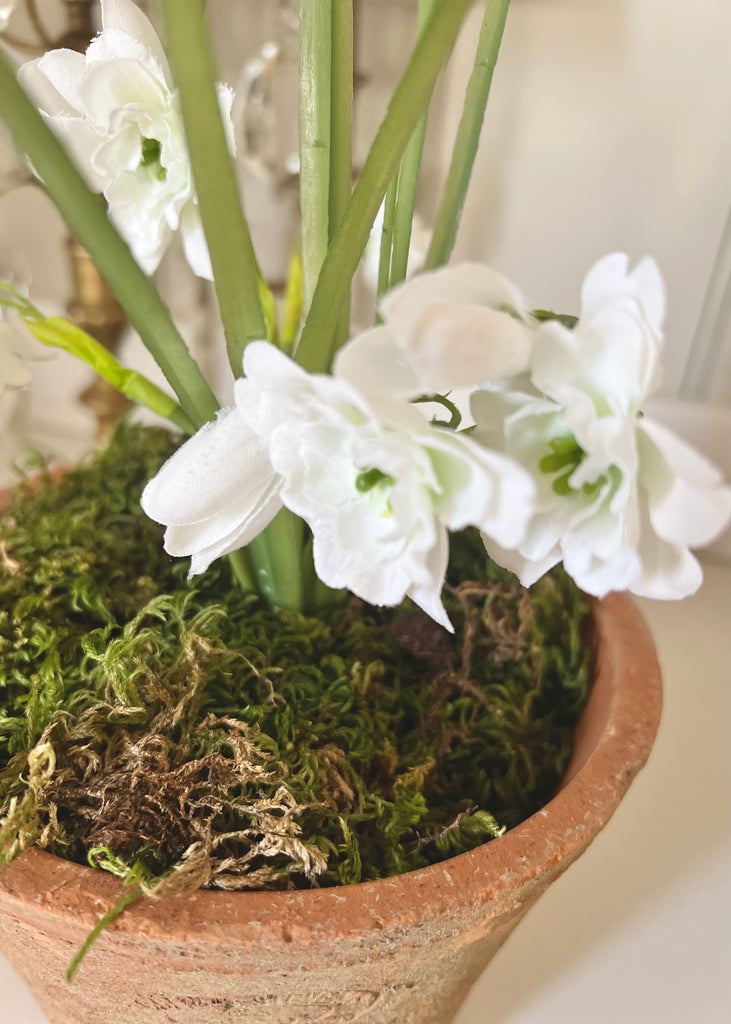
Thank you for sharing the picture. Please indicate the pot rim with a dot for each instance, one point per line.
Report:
(613, 741)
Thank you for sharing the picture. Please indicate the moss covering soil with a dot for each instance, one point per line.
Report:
(183, 734)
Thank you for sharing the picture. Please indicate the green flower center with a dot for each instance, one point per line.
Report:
(371, 478)
(150, 153)
(565, 456)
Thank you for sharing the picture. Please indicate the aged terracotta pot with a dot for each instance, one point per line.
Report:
(403, 950)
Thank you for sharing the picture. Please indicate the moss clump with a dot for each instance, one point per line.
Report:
(183, 734)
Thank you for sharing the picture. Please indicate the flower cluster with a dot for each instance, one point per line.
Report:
(561, 463)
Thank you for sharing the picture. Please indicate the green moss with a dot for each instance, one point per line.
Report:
(182, 733)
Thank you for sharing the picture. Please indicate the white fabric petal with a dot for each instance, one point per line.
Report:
(459, 327)
(428, 596)
(467, 283)
(610, 277)
(195, 246)
(688, 501)
(668, 572)
(125, 18)
(528, 570)
(54, 81)
(481, 488)
(373, 362)
(112, 85)
(216, 493)
(455, 345)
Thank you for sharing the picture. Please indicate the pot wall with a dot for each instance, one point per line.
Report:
(403, 950)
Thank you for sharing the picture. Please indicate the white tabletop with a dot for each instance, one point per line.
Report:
(639, 930)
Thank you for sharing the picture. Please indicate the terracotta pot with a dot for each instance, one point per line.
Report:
(400, 950)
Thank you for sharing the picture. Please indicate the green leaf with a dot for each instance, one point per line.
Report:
(468, 135)
(86, 217)
(341, 130)
(227, 233)
(409, 102)
(61, 333)
(409, 180)
(315, 48)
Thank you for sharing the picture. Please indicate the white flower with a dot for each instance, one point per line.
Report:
(448, 329)
(215, 494)
(14, 349)
(620, 499)
(378, 485)
(117, 111)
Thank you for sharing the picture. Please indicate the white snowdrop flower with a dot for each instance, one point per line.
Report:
(620, 499)
(378, 485)
(117, 111)
(215, 494)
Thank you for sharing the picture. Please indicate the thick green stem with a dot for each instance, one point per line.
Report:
(277, 556)
(240, 562)
(468, 135)
(227, 233)
(409, 180)
(315, 49)
(341, 130)
(85, 215)
(409, 102)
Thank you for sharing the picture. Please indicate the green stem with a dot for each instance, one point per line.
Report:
(315, 47)
(341, 130)
(409, 179)
(384, 261)
(240, 562)
(227, 233)
(86, 217)
(409, 102)
(111, 915)
(468, 135)
(277, 556)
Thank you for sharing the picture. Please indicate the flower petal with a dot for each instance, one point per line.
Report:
(688, 501)
(373, 362)
(124, 18)
(428, 595)
(610, 277)
(669, 572)
(195, 246)
(216, 493)
(460, 326)
(480, 488)
(55, 81)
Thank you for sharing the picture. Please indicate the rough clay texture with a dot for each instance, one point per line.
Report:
(402, 950)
